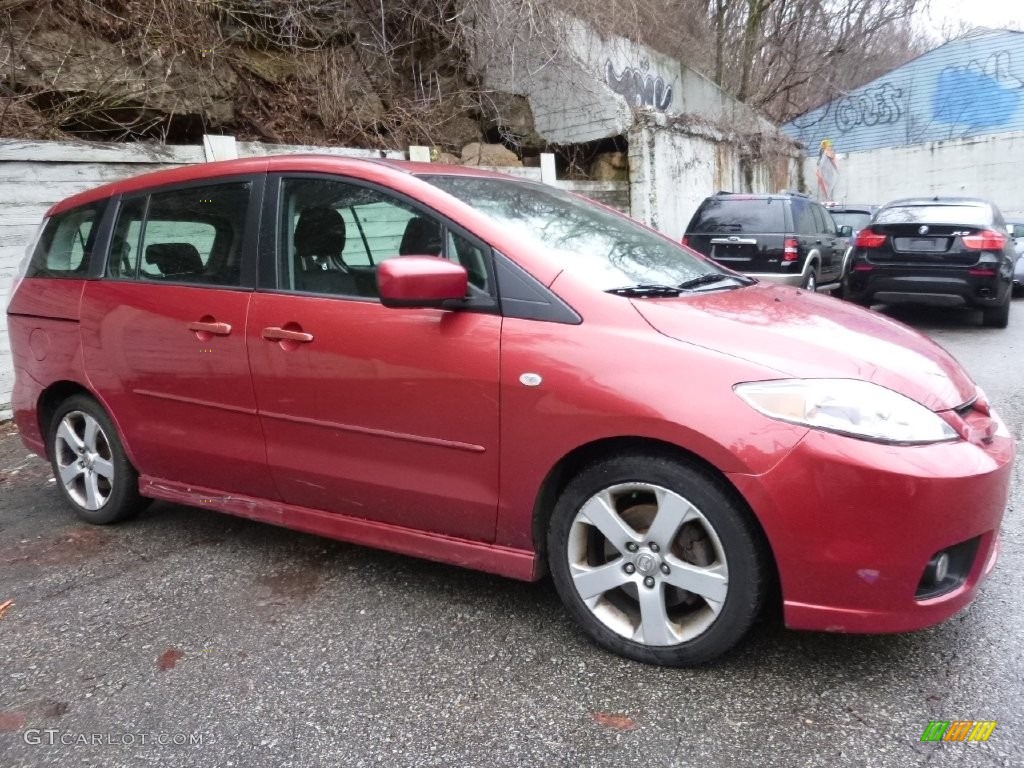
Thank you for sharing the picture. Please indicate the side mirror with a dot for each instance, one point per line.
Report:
(846, 231)
(420, 281)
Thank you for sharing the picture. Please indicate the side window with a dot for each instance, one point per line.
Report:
(803, 217)
(827, 223)
(334, 234)
(472, 257)
(65, 248)
(190, 235)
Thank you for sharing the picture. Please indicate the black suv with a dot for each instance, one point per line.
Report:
(946, 251)
(786, 238)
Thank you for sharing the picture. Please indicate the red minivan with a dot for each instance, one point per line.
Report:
(495, 373)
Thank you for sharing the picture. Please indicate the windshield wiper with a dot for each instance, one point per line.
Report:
(646, 290)
(713, 277)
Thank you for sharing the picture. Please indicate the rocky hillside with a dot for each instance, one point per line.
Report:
(343, 72)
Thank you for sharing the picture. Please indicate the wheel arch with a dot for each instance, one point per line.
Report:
(812, 263)
(569, 465)
(56, 393)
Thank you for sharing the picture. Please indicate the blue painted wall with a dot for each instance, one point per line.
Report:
(967, 87)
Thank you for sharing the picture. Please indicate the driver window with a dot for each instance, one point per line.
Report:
(334, 234)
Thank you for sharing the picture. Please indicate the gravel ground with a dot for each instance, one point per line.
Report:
(257, 646)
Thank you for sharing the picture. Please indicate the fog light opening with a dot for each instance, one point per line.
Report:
(947, 569)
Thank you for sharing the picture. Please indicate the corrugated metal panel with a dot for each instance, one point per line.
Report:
(968, 87)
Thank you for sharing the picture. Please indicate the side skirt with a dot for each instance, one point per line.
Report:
(514, 563)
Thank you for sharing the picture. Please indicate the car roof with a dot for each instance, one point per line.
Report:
(939, 200)
(785, 193)
(268, 164)
(843, 207)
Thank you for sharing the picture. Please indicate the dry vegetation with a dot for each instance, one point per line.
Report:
(389, 74)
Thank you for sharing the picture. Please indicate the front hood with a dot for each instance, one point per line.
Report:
(804, 335)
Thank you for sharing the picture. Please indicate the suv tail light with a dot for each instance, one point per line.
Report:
(789, 249)
(986, 240)
(868, 238)
(686, 240)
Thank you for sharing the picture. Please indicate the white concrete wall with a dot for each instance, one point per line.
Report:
(576, 89)
(672, 170)
(982, 166)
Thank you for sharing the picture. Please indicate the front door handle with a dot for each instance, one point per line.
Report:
(283, 334)
(211, 327)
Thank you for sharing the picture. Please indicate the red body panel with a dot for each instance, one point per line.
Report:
(432, 432)
(853, 524)
(184, 399)
(45, 347)
(397, 406)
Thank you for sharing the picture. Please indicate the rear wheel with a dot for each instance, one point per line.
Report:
(90, 465)
(656, 561)
(997, 317)
(811, 280)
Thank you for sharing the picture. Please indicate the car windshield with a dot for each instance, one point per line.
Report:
(856, 220)
(966, 215)
(607, 250)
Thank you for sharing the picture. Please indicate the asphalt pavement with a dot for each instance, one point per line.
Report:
(189, 638)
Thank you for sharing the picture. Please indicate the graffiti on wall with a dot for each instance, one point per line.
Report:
(979, 95)
(639, 87)
(877, 105)
(967, 87)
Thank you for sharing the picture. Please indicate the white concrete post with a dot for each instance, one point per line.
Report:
(548, 175)
(419, 154)
(219, 148)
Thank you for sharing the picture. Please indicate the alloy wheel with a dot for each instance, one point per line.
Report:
(647, 564)
(84, 460)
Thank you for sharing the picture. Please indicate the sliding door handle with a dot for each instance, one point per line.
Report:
(210, 327)
(283, 334)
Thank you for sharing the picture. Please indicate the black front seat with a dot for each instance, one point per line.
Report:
(422, 237)
(319, 240)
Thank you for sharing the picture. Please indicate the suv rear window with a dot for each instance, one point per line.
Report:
(966, 215)
(65, 248)
(723, 214)
(856, 220)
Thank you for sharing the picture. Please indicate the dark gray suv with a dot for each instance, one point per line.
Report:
(785, 238)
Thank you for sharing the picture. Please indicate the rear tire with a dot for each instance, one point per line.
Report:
(90, 465)
(656, 560)
(996, 317)
(810, 283)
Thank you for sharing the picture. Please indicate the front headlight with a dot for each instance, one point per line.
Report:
(848, 407)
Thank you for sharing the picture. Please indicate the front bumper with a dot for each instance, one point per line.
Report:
(853, 525)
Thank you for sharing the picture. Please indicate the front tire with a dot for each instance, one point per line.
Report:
(90, 465)
(657, 560)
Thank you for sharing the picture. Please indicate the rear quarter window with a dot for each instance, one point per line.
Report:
(740, 215)
(66, 244)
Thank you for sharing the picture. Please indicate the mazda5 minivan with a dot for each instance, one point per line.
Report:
(495, 373)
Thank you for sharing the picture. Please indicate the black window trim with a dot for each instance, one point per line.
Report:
(250, 232)
(269, 274)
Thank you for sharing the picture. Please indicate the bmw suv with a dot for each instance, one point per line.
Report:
(945, 251)
(783, 238)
